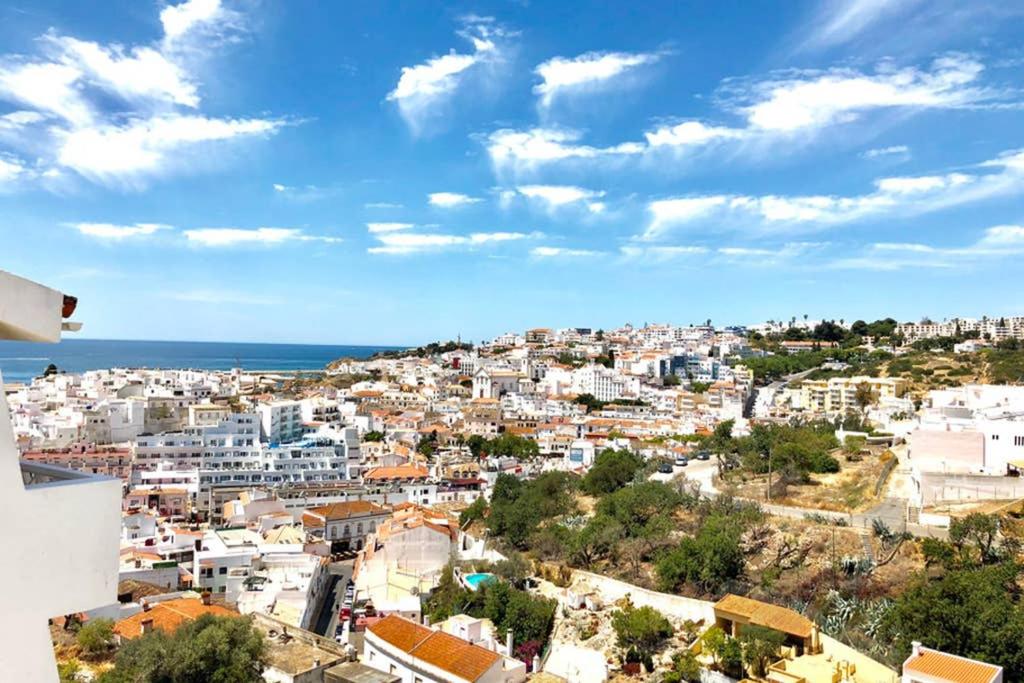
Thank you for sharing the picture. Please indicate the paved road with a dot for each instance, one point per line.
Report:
(327, 620)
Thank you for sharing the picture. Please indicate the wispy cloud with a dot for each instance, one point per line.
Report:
(556, 196)
(383, 205)
(303, 193)
(837, 23)
(524, 150)
(901, 151)
(216, 296)
(232, 237)
(412, 243)
(117, 233)
(451, 200)
(997, 242)
(661, 254)
(786, 108)
(562, 252)
(423, 89)
(376, 228)
(894, 195)
(585, 73)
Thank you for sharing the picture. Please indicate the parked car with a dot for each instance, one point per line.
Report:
(665, 468)
(703, 455)
(681, 461)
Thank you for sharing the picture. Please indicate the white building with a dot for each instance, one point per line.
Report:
(417, 654)
(280, 421)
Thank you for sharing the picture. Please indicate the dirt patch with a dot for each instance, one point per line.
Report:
(851, 489)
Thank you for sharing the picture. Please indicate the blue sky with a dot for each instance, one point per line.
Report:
(401, 172)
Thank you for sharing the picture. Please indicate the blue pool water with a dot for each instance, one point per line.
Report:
(473, 581)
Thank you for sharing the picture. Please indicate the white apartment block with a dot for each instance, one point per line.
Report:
(604, 384)
(280, 421)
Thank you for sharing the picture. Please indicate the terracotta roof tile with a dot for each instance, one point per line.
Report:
(766, 614)
(950, 667)
(168, 615)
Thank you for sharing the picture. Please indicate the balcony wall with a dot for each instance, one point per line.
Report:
(61, 541)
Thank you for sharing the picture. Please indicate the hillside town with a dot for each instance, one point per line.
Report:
(660, 502)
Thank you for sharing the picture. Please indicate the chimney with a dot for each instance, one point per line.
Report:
(915, 648)
(146, 626)
(508, 641)
(207, 596)
(146, 606)
(426, 620)
(199, 544)
(316, 663)
(536, 664)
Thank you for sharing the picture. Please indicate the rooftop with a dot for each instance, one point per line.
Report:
(949, 667)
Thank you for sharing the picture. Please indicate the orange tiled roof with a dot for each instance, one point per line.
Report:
(767, 615)
(950, 667)
(446, 652)
(399, 472)
(346, 510)
(168, 615)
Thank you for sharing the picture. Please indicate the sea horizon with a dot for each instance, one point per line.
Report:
(21, 361)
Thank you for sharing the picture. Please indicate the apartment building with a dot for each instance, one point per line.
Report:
(280, 421)
(839, 394)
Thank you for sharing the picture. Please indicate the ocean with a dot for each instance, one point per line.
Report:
(21, 361)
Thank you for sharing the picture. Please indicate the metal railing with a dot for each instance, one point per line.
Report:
(35, 475)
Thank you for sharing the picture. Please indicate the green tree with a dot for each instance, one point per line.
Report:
(685, 668)
(760, 645)
(96, 637)
(476, 511)
(67, 672)
(214, 649)
(973, 613)
(707, 560)
(671, 380)
(513, 446)
(612, 469)
(640, 628)
(373, 436)
(595, 541)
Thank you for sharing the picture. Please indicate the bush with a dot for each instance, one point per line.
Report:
(96, 637)
(640, 629)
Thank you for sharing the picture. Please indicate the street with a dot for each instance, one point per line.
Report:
(327, 619)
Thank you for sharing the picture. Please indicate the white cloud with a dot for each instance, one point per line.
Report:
(783, 109)
(120, 114)
(423, 87)
(562, 252)
(897, 195)
(220, 296)
(690, 133)
(451, 200)
(230, 237)
(815, 100)
(838, 23)
(376, 228)
(147, 146)
(179, 20)
(666, 213)
(136, 74)
(411, 243)
(660, 254)
(522, 150)
(10, 169)
(48, 88)
(555, 196)
(564, 75)
(885, 152)
(117, 233)
(996, 242)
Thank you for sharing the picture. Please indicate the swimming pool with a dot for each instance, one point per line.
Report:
(473, 581)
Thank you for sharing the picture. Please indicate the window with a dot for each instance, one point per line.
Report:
(222, 570)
